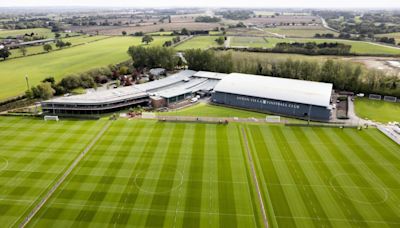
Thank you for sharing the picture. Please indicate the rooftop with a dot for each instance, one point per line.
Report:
(297, 91)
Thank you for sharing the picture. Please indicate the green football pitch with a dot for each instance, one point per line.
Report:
(149, 174)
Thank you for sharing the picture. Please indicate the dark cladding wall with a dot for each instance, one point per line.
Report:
(272, 106)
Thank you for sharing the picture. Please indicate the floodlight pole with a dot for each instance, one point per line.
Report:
(309, 114)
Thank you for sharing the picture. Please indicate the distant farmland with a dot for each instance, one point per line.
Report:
(201, 42)
(358, 47)
(67, 61)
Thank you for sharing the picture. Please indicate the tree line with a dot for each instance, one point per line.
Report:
(312, 48)
(49, 87)
(344, 76)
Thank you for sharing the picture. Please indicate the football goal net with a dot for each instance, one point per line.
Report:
(54, 118)
(273, 119)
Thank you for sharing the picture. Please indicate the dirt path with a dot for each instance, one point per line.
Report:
(36, 209)
(253, 172)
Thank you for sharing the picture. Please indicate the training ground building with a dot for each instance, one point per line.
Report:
(158, 93)
(287, 97)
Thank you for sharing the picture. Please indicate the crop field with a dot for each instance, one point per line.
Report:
(150, 174)
(201, 42)
(248, 41)
(67, 61)
(380, 111)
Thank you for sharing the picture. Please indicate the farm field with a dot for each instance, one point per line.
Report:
(239, 41)
(78, 40)
(357, 46)
(202, 42)
(67, 61)
(380, 111)
(151, 174)
(198, 42)
(300, 31)
(395, 35)
(21, 32)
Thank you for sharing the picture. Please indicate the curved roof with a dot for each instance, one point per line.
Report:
(292, 90)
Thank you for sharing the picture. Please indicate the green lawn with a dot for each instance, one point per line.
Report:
(78, 40)
(380, 111)
(207, 110)
(202, 42)
(159, 174)
(67, 61)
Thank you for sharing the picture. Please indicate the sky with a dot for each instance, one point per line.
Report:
(387, 4)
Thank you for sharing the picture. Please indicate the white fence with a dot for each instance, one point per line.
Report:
(390, 99)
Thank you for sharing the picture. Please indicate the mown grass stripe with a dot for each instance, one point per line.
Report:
(300, 178)
(160, 201)
(357, 152)
(325, 172)
(281, 206)
(387, 211)
(194, 189)
(226, 198)
(382, 149)
(130, 193)
(104, 185)
(40, 161)
(346, 165)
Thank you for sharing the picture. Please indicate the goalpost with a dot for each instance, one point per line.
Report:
(51, 118)
(273, 119)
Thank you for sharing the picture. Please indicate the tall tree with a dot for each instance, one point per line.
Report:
(4, 53)
(47, 47)
(147, 39)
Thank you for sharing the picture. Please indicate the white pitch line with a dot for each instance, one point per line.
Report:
(253, 171)
(36, 209)
(337, 219)
(151, 209)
